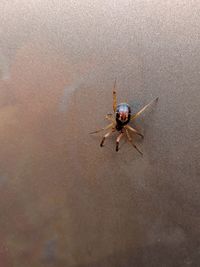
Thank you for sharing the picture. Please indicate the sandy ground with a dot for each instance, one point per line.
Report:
(64, 201)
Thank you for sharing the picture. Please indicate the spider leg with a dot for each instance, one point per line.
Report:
(114, 97)
(110, 117)
(105, 128)
(133, 130)
(106, 136)
(143, 109)
(130, 140)
(118, 139)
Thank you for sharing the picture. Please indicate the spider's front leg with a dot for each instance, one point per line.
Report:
(118, 139)
(130, 140)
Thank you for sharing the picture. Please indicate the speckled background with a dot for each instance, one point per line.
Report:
(64, 201)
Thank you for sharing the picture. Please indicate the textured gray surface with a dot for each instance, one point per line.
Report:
(64, 201)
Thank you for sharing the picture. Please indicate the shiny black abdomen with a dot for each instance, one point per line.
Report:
(123, 115)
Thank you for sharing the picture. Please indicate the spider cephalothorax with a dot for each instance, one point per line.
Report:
(120, 120)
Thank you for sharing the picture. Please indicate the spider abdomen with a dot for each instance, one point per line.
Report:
(123, 115)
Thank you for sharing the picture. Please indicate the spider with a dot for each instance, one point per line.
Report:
(120, 120)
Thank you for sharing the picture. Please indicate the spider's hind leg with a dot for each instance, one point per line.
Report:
(134, 116)
(114, 97)
(110, 117)
(134, 130)
(102, 129)
(106, 136)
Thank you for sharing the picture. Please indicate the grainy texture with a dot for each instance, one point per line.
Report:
(64, 201)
